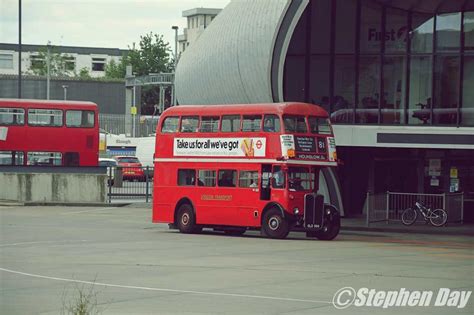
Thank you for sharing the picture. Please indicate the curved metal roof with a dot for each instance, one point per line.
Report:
(231, 61)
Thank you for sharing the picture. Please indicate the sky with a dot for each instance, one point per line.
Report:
(95, 23)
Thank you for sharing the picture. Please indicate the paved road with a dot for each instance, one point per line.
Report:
(48, 253)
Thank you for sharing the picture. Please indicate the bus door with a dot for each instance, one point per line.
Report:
(265, 190)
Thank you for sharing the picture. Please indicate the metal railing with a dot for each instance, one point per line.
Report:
(389, 206)
(130, 183)
(145, 125)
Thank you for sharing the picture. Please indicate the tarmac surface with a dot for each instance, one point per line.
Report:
(48, 254)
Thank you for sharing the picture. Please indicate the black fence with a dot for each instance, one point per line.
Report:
(130, 183)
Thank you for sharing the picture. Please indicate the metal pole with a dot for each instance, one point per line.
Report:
(133, 116)
(146, 181)
(48, 66)
(173, 94)
(367, 220)
(19, 49)
(65, 91)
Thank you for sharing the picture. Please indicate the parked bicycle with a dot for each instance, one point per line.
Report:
(437, 217)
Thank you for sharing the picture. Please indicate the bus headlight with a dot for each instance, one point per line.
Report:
(296, 210)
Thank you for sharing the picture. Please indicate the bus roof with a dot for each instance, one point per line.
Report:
(290, 108)
(44, 103)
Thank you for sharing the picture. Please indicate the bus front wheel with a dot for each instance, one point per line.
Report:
(186, 220)
(274, 224)
(331, 227)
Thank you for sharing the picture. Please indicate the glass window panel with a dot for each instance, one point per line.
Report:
(227, 178)
(446, 90)
(300, 178)
(396, 31)
(186, 177)
(248, 179)
(467, 108)
(6, 61)
(394, 90)
(170, 125)
(209, 124)
(469, 31)
(230, 123)
(271, 123)
(295, 124)
(319, 125)
(12, 116)
(294, 81)
(422, 33)
(45, 117)
(44, 158)
(278, 177)
(319, 82)
(11, 158)
(79, 118)
(419, 107)
(370, 23)
(345, 26)
(320, 26)
(206, 178)
(344, 90)
(369, 86)
(251, 123)
(189, 123)
(448, 27)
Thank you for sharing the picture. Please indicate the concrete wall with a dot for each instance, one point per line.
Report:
(47, 187)
(109, 96)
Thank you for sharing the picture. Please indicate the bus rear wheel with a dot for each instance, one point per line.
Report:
(186, 220)
(274, 224)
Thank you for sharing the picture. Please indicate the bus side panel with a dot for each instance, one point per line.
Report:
(164, 193)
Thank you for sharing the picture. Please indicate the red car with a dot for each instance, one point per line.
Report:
(131, 168)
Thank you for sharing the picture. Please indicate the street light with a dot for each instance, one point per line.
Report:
(175, 28)
(48, 69)
(65, 92)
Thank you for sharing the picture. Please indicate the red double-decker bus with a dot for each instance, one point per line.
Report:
(52, 133)
(239, 167)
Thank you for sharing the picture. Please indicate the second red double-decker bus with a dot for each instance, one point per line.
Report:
(51, 133)
(239, 167)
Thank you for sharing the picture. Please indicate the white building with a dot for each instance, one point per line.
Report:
(93, 59)
(198, 20)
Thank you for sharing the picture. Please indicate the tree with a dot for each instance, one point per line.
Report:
(152, 56)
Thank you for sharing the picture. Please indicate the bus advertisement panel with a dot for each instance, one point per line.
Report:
(240, 167)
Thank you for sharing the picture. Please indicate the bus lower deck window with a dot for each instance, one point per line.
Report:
(186, 177)
(207, 178)
(227, 178)
(248, 179)
(44, 158)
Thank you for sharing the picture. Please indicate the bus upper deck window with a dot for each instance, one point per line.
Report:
(210, 124)
(45, 117)
(170, 125)
(319, 125)
(230, 123)
(295, 124)
(12, 116)
(271, 123)
(251, 123)
(79, 118)
(189, 123)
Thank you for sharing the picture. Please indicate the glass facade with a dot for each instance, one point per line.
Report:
(372, 64)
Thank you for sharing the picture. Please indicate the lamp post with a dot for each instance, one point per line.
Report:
(173, 94)
(65, 91)
(48, 69)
